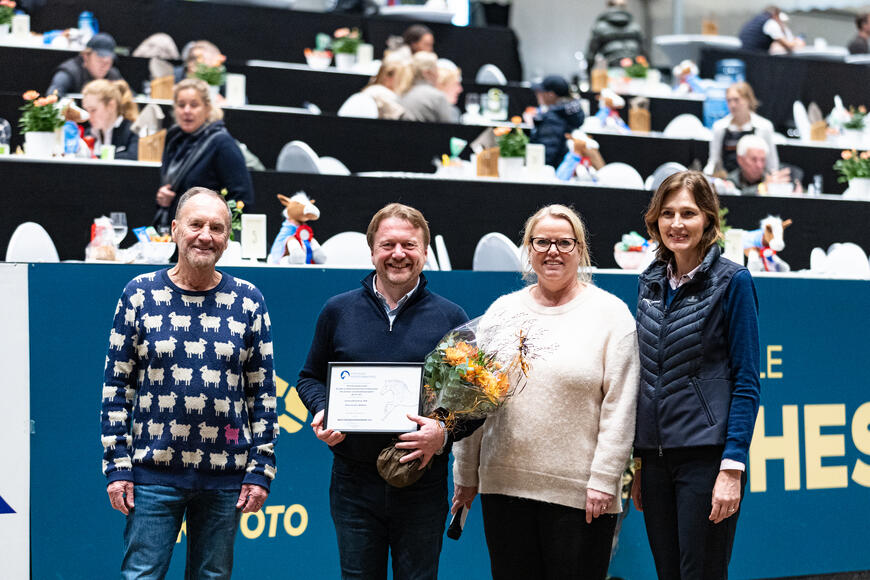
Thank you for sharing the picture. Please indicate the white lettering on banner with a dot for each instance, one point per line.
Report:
(818, 446)
(253, 530)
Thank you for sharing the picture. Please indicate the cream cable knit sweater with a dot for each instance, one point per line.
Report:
(572, 426)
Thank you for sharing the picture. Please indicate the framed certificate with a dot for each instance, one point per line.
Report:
(373, 397)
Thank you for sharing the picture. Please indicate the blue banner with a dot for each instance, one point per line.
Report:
(810, 458)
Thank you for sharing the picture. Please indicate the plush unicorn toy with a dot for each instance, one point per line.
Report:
(295, 243)
(761, 246)
(609, 104)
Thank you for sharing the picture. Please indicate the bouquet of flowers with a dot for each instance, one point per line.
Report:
(39, 113)
(236, 208)
(7, 10)
(852, 164)
(856, 119)
(635, 68)
(213, 72)
(346, 41)
(511, 141)
(464, 379)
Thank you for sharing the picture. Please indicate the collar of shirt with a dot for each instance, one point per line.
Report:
(677, 282)
(105, 138)
(391, 314)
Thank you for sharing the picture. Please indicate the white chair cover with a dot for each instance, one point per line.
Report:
(443, 256)
(619, 175)
(297, 157)
(489, 74)
(686, 126)
(332, 166)
(359, 105)
(801, 120)
(496, 253)
(31, 243)
(431, 260)
(661, 173)
(348, 249)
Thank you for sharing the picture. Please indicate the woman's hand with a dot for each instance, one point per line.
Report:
(726, 495)
(165, 195)
(635, 491)
(463, 495)
(597, 503)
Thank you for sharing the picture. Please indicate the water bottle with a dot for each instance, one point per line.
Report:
(88, 25)
(70, 138)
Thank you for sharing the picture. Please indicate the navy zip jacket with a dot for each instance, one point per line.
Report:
(551, 126)
(699, 352)
(353, 327)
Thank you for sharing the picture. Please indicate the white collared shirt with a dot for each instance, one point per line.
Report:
(391, 313)
(105, 137)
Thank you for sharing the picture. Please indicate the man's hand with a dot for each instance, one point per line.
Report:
(426, 442)
(779, 176)
(252, 498)
(121, 495)
(328, 436)
(165, 195)
(463, 495)
(597, 503)
(726, 495)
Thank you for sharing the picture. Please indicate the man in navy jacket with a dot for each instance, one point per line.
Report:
(392, 318)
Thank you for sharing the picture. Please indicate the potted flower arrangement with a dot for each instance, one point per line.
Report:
(213, 72)
(40, 118)
(854, 169)
(7, 11)
(512, 143)
(635, 68)
(853, 128)
(344, 44)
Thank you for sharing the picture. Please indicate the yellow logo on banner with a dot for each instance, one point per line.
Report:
(295, 414)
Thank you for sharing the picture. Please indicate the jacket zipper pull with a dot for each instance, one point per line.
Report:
(660, 450)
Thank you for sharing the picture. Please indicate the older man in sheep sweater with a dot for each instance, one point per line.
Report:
(188, 417)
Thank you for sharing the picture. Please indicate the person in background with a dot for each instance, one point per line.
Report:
(697, 328)
(750, 176)
(558, 113)
(111, 112)
(423, 101)
(615, 35)
(194, 52)
(386, 88)
(767, 32)
(741, 121)
(199, 151)
(450, 83)
(95, 62)
(549, 463)
(419, 37)
(860, 44)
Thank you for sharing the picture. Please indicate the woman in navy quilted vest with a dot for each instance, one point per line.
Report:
(697, 328)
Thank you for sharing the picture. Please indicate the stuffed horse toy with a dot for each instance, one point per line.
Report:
(609, 104)
(582, 158)
(687, 79)
(761, 246)
(295, 243)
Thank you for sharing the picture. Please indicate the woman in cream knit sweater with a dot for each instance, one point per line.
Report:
(549, 464)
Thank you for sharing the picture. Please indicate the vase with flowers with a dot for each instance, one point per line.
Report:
(635, 68)
(854, 169)
(212, 71)
(512, 143)
(854, 127)
(7, 11)
(40, 119)
(345, 42)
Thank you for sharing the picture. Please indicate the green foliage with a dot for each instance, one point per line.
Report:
(856, 122)
(346, 41)
(213, 75)
(40, 114)
(852, 164)
(236, 208)
(513, 143)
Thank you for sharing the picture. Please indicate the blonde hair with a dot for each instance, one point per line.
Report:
(402, 212)
(447, 75)
(114, 91)
(423, 63)
(745, 91)
(201, 87)
(397, 69)
(557, 210)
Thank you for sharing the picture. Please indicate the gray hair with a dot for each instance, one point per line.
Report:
(748, 142)
(194, 191)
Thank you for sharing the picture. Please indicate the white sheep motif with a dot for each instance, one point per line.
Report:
(136, 430)
(142, 349)
(163, 456)
(222, 407)
(167, 346)
(179, 431)
(208, 432)
(232, 380)
(181, 375)
(225, 299)
(269, 471)
(195, 347)
(163, 296)
(179, 322)
(210, 322)
(237, 407)
(109, 392)
(218, 460)
(244, 353)
(240, 459)
(265, 349)
(196, 300)
(155, 430)
(252, 466)
(155, 376)
(240, 282)
(145, 401)
(152, 322)
(191, 458)
(267, 320)
(130, 316)
(117, 417)
(139, 454)
(257, 377)
(210, 377)
(197, 403)
(249, 305)
(146, 276)
(257, 325)
(123, 368)
(122, 463)
(137, 300)
(260, 426)
(116, 340)
(224, 349)
(269, 402)
(166, 402)
(236, 328)
(109, 441)
(141, 377)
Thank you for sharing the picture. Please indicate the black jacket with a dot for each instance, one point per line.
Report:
(71, 76)
(615, 35)
(550, 128)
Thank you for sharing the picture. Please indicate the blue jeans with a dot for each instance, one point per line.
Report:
(153, 525)
(374, 519)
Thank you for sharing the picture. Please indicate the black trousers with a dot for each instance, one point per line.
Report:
(676, 491)
(534, 539)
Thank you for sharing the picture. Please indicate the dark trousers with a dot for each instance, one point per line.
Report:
(534, 539)
(676, 491)
(374, 520)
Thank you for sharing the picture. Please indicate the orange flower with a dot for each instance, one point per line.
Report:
(7, 3)
(40, 102)
(642, 60)
(516, 119)
(30, 95)
(865, 155)
(846, 155)
(501, 131)
(220, 59)
(625, 61)
(862, 109)
(240, 205)
(50, 99)
(341, 33)
(307, 52)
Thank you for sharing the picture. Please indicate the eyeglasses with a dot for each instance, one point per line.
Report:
(564, 245)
